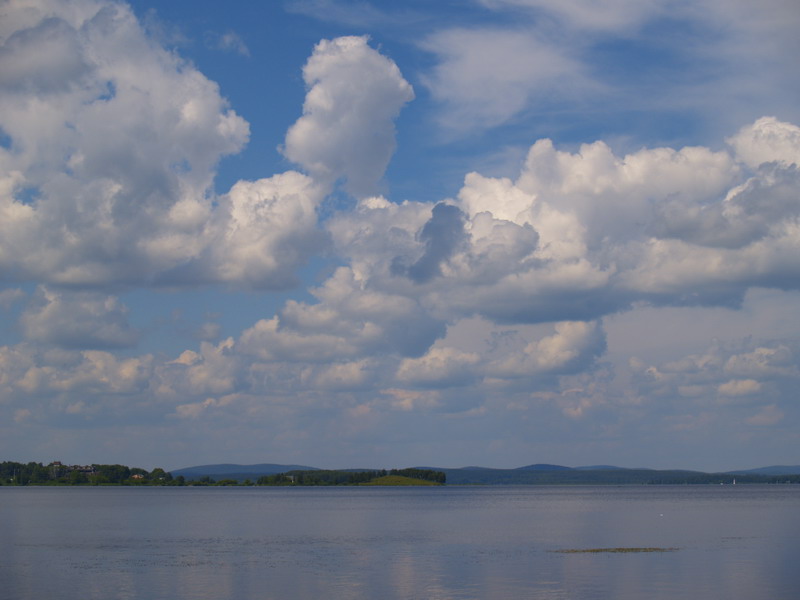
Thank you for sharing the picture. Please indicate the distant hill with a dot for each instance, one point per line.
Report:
(602, 468)
(535, 474)
(613, 476)
(774, 470)
(568, 476)
(547, 467)
(233, 471)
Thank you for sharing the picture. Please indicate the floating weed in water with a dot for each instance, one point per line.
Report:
(611, 550)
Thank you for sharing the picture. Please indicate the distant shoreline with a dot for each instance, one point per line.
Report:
(58, 474)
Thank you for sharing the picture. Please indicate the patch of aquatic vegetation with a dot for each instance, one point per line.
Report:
(612, 550)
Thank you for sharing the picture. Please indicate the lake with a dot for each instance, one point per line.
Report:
(79, 543)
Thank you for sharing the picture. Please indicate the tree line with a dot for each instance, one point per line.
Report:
(32, 473)
(334, 477)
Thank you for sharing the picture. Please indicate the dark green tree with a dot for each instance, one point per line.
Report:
(77, 478)
(159, 476)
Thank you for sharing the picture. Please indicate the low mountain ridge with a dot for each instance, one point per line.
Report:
(534, 474)
(773, 470)
(603, 468)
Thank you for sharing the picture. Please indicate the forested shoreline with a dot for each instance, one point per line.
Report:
(55, 474)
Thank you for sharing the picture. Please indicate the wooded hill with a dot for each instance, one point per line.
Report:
(321, 477)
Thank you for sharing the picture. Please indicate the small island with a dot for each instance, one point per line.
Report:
(394, 477)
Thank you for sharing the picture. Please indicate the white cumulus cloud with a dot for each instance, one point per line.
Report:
(347, 128)
(767, 140)
(113, 146)
(270, 227)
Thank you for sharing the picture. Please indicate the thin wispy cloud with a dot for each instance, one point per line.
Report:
(228, 41)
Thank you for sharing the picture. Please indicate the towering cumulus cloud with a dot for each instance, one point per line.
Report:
(347, 127)
(112, 146)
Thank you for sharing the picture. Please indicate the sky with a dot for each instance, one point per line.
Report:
(400, 233)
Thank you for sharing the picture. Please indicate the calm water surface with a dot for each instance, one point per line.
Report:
(731, 542)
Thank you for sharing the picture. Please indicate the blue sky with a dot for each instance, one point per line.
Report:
(380, 234)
